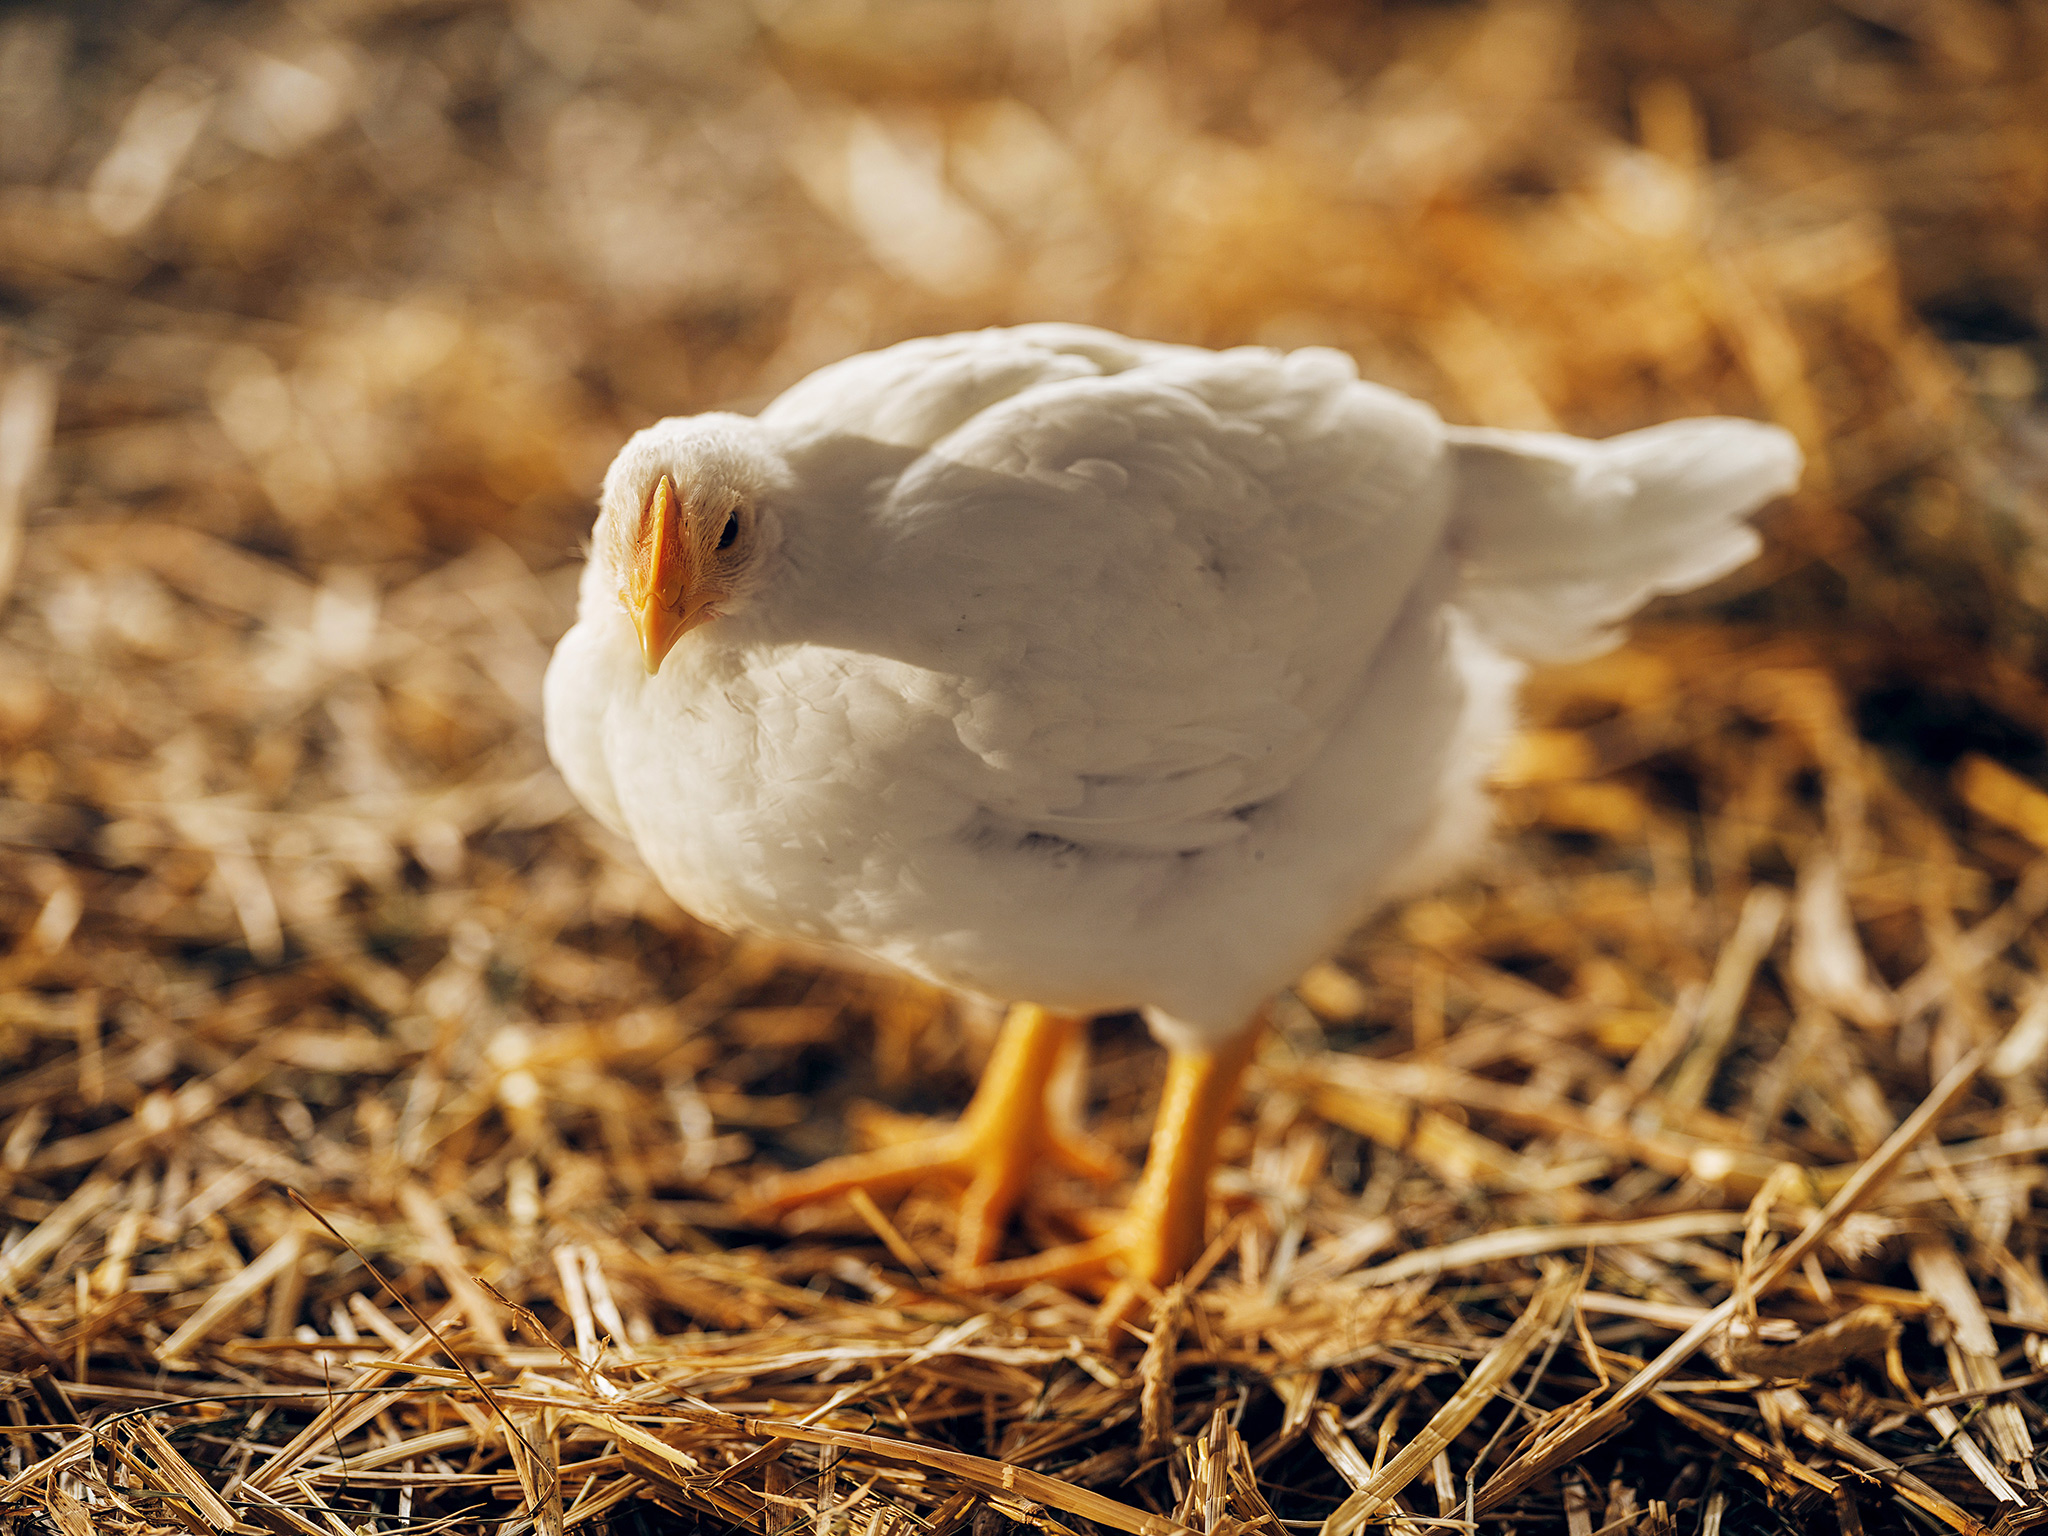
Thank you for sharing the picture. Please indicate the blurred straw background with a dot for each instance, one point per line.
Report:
(318, 323)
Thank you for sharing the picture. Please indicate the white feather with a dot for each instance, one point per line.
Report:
(1562, 538)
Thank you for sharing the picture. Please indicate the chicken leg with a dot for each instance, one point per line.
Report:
(993, 1150)
(1162, 1231)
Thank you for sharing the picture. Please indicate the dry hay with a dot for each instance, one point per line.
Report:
(1676, 1173)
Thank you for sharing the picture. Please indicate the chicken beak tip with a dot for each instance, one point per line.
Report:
(659, 627)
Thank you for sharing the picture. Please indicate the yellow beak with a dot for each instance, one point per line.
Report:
(662, 594)
(659, 627)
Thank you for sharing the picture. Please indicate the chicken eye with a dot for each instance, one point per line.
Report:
(730, 533)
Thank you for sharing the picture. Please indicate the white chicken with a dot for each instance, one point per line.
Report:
(1055, 666)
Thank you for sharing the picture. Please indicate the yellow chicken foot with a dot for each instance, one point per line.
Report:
(1162, 1232)
(994, 1150)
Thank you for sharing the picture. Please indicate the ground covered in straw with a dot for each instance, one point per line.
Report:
(370, 1128)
